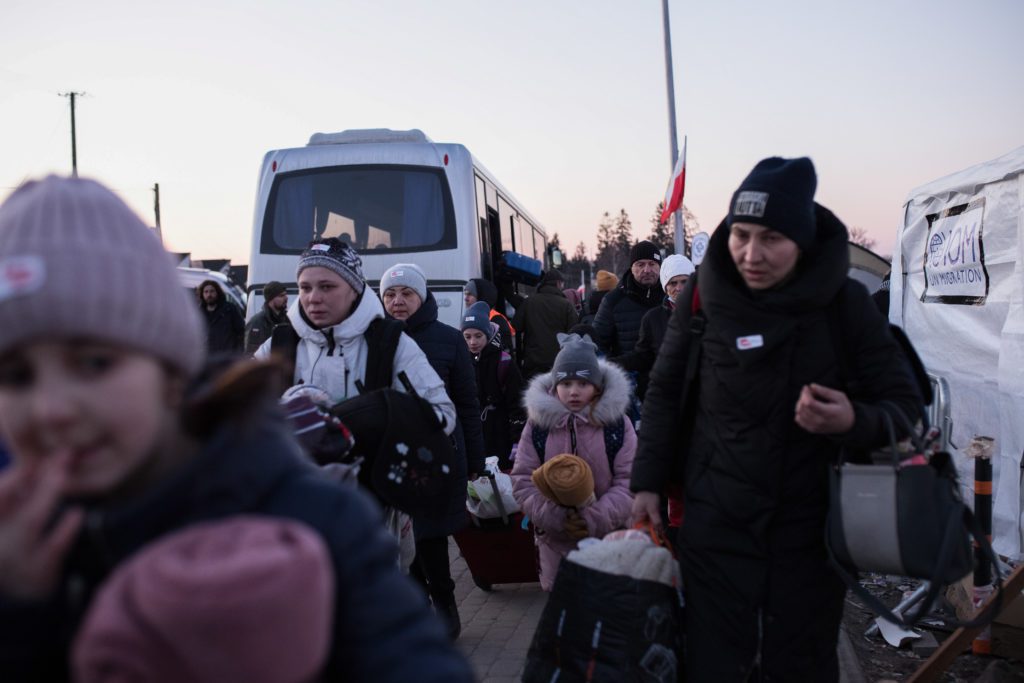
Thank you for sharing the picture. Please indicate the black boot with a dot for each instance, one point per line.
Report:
(449, 613)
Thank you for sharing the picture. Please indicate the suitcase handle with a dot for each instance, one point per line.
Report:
(497, 497)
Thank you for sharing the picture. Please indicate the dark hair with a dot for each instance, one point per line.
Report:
(215, 285)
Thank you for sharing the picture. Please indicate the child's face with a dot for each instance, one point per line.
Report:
(475, 340)
(576, 394)
(103, 408)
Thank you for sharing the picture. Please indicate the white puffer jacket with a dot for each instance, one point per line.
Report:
(337, 373)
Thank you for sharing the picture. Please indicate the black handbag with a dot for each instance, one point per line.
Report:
(908, 519)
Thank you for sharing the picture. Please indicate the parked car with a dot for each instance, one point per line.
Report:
(192, 277)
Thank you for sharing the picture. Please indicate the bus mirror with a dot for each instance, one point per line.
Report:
(556, 257)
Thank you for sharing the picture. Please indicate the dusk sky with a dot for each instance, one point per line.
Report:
(564, 101)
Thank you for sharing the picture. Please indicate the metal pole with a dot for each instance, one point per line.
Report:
(156, 210)
(680, 232)
(74, 146)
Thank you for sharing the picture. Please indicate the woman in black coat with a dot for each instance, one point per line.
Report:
(770, 412)
(403, 289)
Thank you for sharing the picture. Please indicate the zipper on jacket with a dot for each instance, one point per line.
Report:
(757, 669)
(329, 336)
(572, 433)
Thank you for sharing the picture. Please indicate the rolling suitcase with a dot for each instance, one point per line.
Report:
(499, 550)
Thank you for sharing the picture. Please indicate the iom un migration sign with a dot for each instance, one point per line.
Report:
(954, 259)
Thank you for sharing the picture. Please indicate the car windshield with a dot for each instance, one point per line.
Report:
(373, 208)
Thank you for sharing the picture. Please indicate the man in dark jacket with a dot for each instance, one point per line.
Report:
(769, 409)
(538, 320)
(618, 319)
(404, 291)
(273, 313)
(479, 289)
(225, 327)
(675, 271)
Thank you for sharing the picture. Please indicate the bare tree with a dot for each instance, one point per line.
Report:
(860, 236)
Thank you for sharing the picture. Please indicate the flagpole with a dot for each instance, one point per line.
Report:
(680, 233)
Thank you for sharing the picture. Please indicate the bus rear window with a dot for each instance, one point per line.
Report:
(374, 208)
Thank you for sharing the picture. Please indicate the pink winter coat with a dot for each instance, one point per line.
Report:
(614, 500)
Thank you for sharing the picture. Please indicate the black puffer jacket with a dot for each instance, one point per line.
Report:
(538, 321)
(652, 331)
(446, 350)
(756, 484)
(382, 630)
(500, 393)
(618, 318)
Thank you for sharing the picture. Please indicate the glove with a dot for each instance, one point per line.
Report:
(575, 527)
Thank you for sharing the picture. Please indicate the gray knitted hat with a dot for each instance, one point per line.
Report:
(478, 317)
(577, 360)
(335, 255)
(404, 275)
(75, 261)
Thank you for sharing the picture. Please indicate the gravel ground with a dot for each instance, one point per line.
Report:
(881, 661)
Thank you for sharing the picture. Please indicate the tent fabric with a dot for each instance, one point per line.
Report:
(958, 292)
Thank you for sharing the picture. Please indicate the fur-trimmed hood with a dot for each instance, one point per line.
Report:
(545, 410)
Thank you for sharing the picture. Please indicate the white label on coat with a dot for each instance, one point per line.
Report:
(753, 341)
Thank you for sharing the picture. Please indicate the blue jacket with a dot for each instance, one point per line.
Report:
(383, 629)
(446, 350)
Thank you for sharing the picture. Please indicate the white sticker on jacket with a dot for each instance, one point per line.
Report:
(753, 341)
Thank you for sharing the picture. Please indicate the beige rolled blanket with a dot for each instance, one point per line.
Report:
(566, 479)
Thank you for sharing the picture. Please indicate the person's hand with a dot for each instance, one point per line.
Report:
(32, 550)
(575, 526)
(646, 506)
(821, 410)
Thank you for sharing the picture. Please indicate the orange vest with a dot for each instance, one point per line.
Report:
(495, 313)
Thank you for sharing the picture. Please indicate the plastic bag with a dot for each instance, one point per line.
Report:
(484, 493)
(399, 525)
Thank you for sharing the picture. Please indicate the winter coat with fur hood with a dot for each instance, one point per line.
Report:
(611, 484)
(335, 358)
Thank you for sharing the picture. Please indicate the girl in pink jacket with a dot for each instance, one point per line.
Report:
(579, 408)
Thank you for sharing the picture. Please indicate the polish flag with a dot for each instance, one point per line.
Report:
(676, 186)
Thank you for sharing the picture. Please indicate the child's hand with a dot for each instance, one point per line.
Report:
(32, 550)
(575, 526)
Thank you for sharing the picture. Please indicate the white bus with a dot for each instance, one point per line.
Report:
(397, 197)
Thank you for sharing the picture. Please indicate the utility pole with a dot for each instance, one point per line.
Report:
(156, 211)
(680, 233)
(74, 151)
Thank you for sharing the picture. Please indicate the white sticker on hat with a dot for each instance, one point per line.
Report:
(21, 275)
(470, 318)
(320, 247)
(750, 204)
(754, 341)
(397, 273)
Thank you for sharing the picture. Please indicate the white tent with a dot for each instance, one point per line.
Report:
(958, 291)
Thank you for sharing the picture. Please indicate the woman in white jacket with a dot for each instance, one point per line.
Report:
(331, 316)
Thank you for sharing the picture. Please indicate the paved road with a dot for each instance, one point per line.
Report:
(497, 627)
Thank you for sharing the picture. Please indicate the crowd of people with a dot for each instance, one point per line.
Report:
(707, 402)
